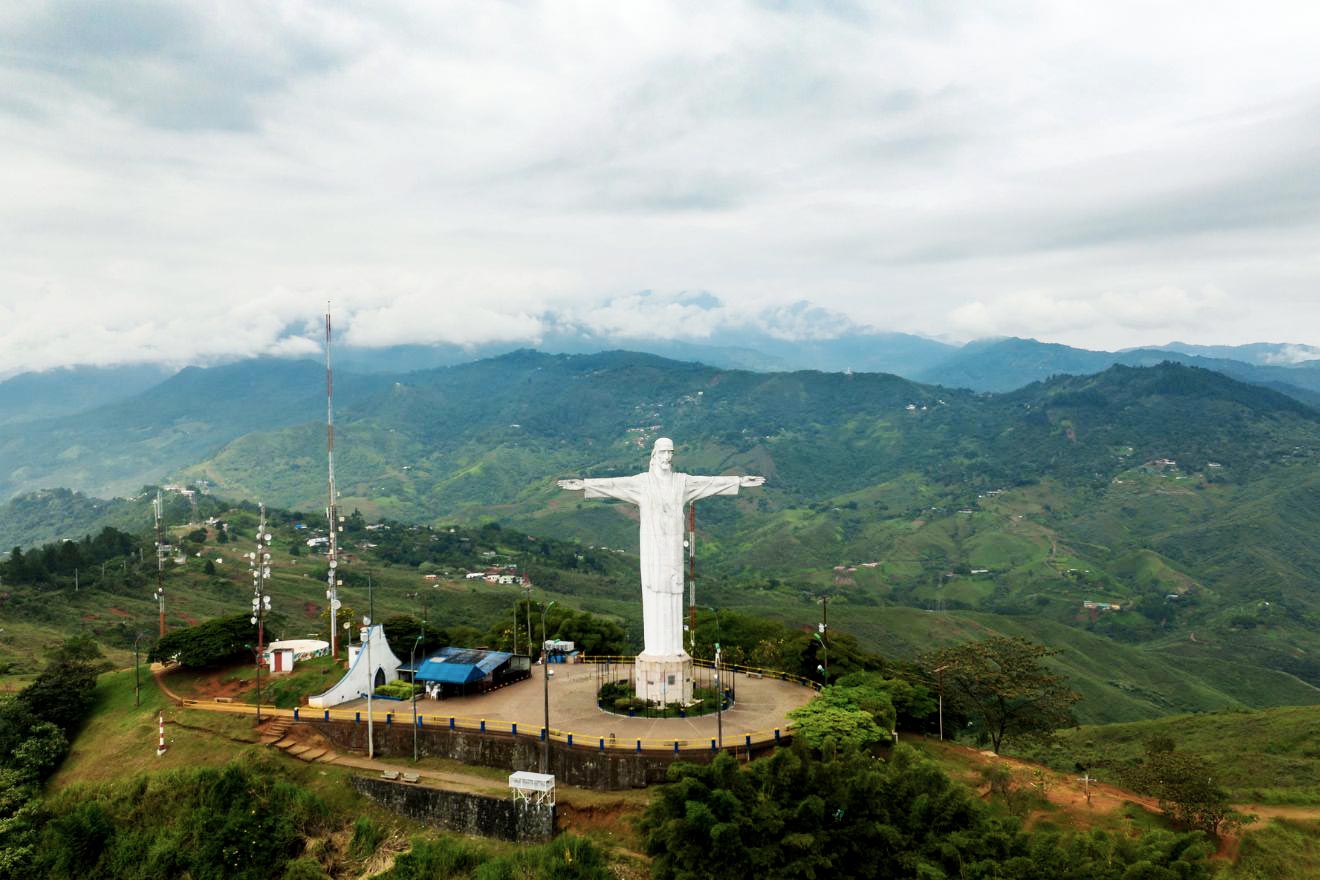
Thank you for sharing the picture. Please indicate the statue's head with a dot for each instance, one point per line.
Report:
(662, 455)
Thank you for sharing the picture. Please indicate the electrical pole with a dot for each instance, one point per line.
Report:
(332, 514)
(159, 508)
(371, 675)
(719, 685)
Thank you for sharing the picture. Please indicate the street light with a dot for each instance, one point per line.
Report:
(545, 660)
(719, 685)
(137, 674)
(417, 641)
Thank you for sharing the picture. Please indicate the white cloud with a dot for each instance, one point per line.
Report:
(1139, 312)
(195, 180)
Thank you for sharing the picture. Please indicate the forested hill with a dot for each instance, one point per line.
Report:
(115, 448)
(492, 436)
(1154, 521)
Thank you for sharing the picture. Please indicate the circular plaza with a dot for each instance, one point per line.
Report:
(761, 707)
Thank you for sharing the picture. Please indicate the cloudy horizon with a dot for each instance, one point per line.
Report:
(192, 183)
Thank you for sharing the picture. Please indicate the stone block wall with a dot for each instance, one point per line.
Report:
(610, 770)
(465, 813)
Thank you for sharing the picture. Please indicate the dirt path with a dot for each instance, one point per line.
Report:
(1069, 791)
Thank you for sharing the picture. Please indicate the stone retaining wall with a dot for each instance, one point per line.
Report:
(611, 770)
(478, 814)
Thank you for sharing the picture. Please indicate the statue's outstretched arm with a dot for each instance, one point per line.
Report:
(704, 487)
(621, 488)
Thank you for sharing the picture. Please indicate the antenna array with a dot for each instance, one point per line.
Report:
(259, 563)
(333, 518)
(159, 507)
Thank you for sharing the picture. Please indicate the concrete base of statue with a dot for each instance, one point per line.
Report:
(663, 678)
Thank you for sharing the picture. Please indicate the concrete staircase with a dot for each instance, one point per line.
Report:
(277, 735)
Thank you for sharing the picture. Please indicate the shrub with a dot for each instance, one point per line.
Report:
(367, 836)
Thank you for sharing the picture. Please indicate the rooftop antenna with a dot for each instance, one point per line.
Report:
(331, 511)
(159, 507)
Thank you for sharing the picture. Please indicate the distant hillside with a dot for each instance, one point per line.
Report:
(30, 396)
(114, 449)
(1163, 511)
(54, 514)
(744, 349)
(1007, 364)
(1125, 487)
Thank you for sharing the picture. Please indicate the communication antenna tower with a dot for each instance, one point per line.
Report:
(333, 518)
(159, 507)
(692, 577)
(259, 563)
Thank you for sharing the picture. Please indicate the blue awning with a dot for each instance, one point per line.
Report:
(460, 665)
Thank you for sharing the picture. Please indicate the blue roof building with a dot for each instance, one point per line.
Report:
(468, 670)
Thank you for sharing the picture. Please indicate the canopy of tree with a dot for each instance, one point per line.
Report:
(36, 727)
(213, 643)
(855, 816)
(1186, 788)
(1004, 686)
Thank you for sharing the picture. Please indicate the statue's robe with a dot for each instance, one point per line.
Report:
(661, 499)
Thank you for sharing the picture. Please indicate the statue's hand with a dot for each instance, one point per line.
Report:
(571, 485)
(751, 482)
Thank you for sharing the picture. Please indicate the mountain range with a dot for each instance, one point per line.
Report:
(1154, 521)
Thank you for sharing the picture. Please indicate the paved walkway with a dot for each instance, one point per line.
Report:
(762, 705)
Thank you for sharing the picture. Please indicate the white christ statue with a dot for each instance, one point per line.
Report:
(664, 670)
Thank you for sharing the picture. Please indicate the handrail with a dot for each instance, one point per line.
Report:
(758, 671)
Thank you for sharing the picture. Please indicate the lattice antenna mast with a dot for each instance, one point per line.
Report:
(332, 511)
(159, 507)
(259, 563)
(692, 578)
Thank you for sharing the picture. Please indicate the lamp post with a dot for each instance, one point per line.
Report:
(416, 642)
(371, 685)
(137, 673)
(719, 684)
(545, 661)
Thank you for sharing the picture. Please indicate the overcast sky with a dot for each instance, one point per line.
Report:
(190, 181)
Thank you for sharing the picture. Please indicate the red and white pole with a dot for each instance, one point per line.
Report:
(160, 749)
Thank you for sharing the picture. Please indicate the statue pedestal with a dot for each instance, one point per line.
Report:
(663, 678)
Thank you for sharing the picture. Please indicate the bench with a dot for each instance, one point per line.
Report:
(391, 775)
(224, 699)
(411, 777)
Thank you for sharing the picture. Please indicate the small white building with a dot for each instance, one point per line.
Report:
(282, 655)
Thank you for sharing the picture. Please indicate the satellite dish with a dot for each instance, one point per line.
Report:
(366, 621)
(337, 605)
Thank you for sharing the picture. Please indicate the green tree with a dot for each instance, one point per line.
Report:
(62, 693)
(794, 816)
(832, 722)
(1004, 686)
(214, 643)
(1185, 786)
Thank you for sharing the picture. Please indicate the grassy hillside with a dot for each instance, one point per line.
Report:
(1270, 756)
